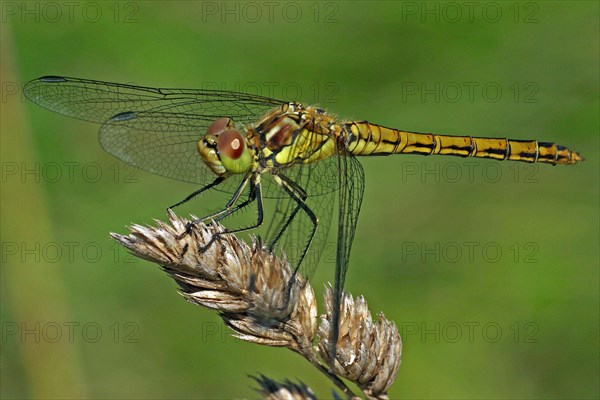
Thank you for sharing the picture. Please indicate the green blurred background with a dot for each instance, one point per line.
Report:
(516, 317)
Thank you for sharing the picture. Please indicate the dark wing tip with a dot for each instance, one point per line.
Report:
(52, 79)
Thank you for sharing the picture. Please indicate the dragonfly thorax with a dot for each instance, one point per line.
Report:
(295, 134)
(223, 149)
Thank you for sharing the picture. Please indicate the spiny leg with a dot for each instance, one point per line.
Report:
(228, 206)
(299, 196)
(254, 195)
(285, 224)
(214, 183)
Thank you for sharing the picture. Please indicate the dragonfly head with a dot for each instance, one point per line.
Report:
(223, 149)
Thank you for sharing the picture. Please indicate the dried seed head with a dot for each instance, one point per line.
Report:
(367, 353)
(256, 293)
(264, 302)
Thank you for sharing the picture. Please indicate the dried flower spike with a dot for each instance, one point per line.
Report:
(264, 302)
(255, 292)
(367, 353)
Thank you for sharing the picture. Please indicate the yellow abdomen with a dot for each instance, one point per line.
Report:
(371, 139)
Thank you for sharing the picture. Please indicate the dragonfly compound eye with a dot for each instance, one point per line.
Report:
(218, 126)
(230, 144)
(223, 149)
(231, 147)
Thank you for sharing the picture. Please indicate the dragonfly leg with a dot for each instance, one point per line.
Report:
(302, 196)
(299, 196)
(254, 196)
(214, 183)
(281, 230)
(228, 206)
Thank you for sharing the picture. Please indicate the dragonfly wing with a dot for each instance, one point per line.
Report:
(161, 143)
(291, 228)
(151, 128)
(160, 126)
(98, 101)
(316, 179)
(351, 182)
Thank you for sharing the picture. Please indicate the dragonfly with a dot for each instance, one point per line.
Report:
(256, 148)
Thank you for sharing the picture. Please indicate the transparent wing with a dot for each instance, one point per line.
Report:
(290, 228)
(161, 144)
(98, 101)
(352, 186)
(151, 128)
(348, 175)
(351, 181)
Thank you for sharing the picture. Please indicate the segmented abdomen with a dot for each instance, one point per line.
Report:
(371, 139)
